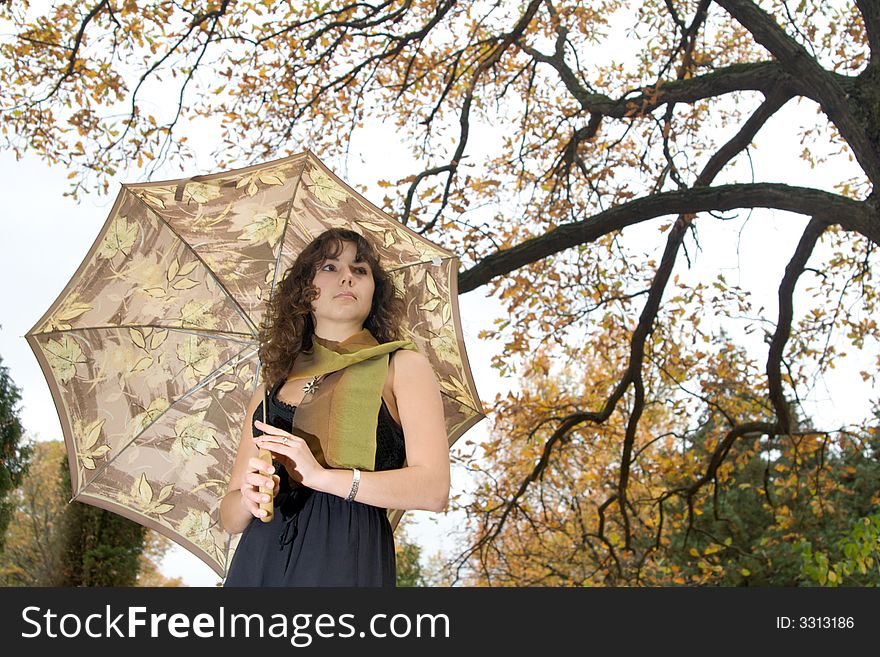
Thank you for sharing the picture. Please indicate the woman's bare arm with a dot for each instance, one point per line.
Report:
(424, 482)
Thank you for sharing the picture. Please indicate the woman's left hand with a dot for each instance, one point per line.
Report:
(291, 451)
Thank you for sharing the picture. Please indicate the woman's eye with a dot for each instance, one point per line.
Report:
(360, 270)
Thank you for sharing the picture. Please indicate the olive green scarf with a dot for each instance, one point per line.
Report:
(338, 418)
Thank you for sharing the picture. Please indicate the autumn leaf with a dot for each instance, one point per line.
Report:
(193, 436)
(201, 192)
(198, 314)
(199, 356)
(142, 420)
(137, 338)
(63, 355)
(197, 526)
(265, 226)
(119, 238)
(88, 450)
(71, 310)
(326, 189)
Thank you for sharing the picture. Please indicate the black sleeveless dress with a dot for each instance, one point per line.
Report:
(316, 538)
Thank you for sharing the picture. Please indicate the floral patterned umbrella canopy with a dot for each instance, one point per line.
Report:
(151, 349)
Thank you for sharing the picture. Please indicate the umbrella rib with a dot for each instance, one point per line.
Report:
(286, 226)
(458, 400)
(217, 371)
(244, 315)
(416, 264)
(246, 337)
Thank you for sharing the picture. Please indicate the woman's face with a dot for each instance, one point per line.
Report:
(345, 288)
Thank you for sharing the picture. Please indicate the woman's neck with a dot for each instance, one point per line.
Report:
(337, 333)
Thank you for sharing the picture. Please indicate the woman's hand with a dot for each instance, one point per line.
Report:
(259, 473)
(292, 452)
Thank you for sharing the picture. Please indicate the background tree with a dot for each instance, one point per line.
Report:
(775, 513)
(409, 567)
(31, 557)
(575, 154)
(34, 554)
(97, 547)
(155, 548)
(14, 450)
(786, 509)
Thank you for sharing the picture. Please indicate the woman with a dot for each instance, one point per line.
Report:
(337, 463)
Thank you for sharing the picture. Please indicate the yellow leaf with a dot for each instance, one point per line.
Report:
(120, 237)
(72, 311)
(93, 432)
(187, 268)
(144, 491)
(63, 356)
(273, 178)
(165, 492)
(137, 338)
(431, 284)
(158, 338)
(153, 200)
(142, 364)
(430, 306)
(172, 270)
(184, 284)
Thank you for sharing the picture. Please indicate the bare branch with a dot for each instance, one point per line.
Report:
(761, 76)
(848, 213)
(870, 10)
(490, 60)
(793, 271)
(77, 42)
(826, 88)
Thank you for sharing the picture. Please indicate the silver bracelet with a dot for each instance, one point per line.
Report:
(355, 482)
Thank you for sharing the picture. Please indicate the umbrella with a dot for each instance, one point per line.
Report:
(150, 351)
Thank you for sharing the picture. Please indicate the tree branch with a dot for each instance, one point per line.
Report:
(870, 10)
(832, 208)
(824, 87)
(760, 76)
(464, 120)
(793, 271)
(77, 42)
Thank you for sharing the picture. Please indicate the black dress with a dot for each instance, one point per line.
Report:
(316, 538)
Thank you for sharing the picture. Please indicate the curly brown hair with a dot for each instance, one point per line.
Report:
(288, 327)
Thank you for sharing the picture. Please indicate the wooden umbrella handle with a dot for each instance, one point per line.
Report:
(268, 507)
(266, 455)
